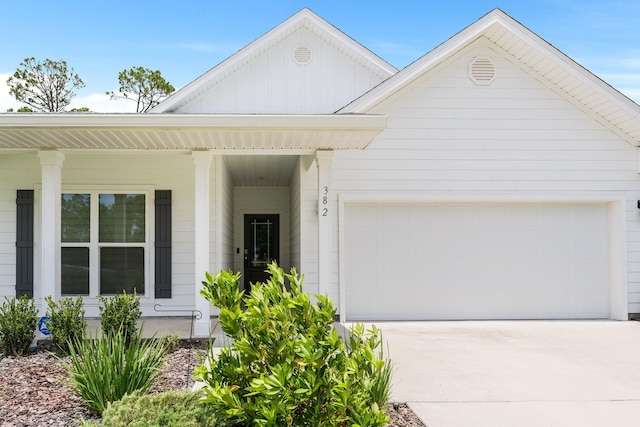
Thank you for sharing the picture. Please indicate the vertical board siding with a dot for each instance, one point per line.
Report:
(272, 82)
(518, 136)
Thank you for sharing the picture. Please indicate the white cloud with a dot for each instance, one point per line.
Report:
(96, 102)
(6, 100)
(101, 103)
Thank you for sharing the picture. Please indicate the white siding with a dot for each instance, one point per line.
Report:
(294, 217)
(273, 83)
(447, 136)
(17, 172)
(227, 219)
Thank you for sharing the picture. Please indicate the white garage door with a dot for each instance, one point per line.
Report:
(476, 261)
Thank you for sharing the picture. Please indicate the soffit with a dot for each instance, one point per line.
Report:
(187, 132)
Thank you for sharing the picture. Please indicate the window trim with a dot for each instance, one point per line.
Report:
(94, 245)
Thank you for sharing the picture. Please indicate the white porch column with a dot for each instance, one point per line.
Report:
(202, 162)
(324, 160)
(51, 167)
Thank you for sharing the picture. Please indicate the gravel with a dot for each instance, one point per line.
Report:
(31, 393)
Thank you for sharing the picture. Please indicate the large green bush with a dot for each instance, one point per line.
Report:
(105, 369)
(65, 321)
(287, 365)
(18, 321)
(171, 408)
(119, 314)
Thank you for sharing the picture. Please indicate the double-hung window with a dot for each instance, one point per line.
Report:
(104, 243)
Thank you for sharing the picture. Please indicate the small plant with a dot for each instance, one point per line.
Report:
(287, 365)
(171, 408)
(65, 322)
(120, 313)
(104, 369)
(18, 321)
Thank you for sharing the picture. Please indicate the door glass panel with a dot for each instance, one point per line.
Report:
(263, 242)
(75, 271)
(122, 218)
(76, 218)
(121, 269)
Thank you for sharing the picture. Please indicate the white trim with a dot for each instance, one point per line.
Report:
(618, 295)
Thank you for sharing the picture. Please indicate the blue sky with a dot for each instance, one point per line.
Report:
(185, 39)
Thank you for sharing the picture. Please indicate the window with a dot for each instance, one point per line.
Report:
(104, 244)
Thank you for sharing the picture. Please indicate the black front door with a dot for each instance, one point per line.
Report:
(261, 246)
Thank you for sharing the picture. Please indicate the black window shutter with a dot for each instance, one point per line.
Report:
(24, 243)
(163, 244)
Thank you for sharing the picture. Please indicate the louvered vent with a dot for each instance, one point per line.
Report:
(302, 55)
(482, 70)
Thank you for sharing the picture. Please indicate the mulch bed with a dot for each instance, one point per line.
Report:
(31, 393)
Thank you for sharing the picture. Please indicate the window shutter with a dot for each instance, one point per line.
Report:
(163, 244)
(24, 243)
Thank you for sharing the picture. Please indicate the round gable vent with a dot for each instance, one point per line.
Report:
(482, 70)
(302, 55)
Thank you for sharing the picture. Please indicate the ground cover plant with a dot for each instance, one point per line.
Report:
(287, 365)
(18, 321)
(170, 408)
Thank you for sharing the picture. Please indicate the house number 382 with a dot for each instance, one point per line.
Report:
(325, 201)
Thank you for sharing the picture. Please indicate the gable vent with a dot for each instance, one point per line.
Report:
(302, 55)
(482, 70)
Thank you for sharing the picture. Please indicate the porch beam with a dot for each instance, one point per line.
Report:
(202, 163)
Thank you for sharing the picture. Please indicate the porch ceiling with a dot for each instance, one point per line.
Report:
(188, 132)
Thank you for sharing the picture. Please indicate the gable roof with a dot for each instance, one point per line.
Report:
(583, 88)
(304, 18)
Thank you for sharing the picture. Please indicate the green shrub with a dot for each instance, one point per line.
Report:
(104, 369)
(18, 321)
(120, 313)
(65, 322)
(171, 408)
(287, 365)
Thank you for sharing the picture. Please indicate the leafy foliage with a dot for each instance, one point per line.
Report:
(46, 86)
(18, 321)
(105, 369)
(171, 408)
(65, 322)
(143, 86)
(119, 315)
(287, 365)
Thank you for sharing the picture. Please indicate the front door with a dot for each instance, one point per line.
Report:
(261, 246)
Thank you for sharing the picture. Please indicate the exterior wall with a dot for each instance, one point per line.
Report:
(17, 172)
(267, 200)
(295, 231)
(225, 231)
(273, 82)
(165, 172)
(447, 137)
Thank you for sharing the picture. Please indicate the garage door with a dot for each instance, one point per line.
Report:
(476, 261)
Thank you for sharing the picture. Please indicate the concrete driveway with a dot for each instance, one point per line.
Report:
(517, 373)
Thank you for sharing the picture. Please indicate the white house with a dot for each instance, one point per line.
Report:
(493, 178)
